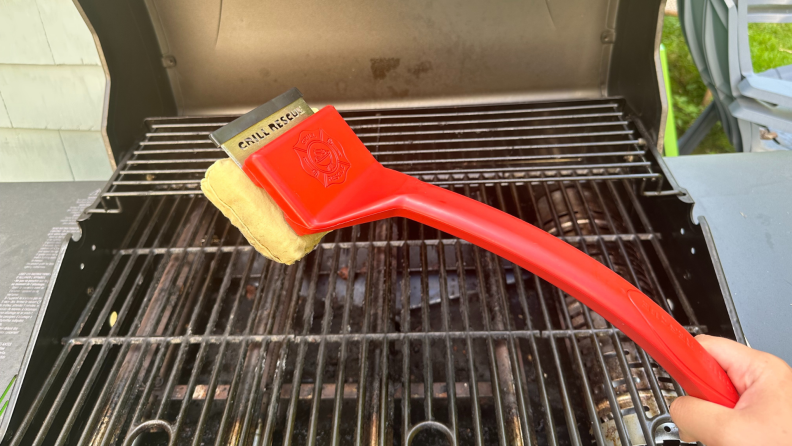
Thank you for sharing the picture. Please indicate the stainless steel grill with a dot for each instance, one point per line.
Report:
(389, 332)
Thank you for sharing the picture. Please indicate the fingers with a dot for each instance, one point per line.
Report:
(735, 358)
(763, 412)
(744, 365)
(700, 420)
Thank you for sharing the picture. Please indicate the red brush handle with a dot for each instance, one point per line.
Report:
(577, 274)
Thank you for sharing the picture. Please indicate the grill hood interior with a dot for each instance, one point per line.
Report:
(180, 57)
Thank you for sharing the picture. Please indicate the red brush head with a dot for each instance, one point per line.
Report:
(323, 177)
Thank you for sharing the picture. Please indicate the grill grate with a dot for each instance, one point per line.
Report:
(389, 332)
(450, 146)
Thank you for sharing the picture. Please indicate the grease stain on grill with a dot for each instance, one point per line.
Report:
(380, 67)
(420, 69)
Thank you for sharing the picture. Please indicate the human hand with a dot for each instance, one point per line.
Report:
(763, 415)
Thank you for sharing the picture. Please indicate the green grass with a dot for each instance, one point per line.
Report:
(771, 46)
(688, 89)
(4, 405)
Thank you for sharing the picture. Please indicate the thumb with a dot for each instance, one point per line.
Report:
(700, 420)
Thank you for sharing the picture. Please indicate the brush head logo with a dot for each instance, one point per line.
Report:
(322, 157)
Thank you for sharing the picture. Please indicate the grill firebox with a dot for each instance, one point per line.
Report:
(389, 332)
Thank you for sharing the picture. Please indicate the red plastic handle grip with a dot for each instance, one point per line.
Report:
(323, 178)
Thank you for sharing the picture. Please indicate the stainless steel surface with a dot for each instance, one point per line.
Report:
(37, 208)
(36, 218)
(230, 57)
(745, 199)
(214, 344)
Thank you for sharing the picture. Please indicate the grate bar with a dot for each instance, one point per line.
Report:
(172, 161)
(584, 167)
(405, 345)
(379, 115)
(507, 362)
(248, 355)
(300, 363)
(418, 114)
(423, 123)
(401, 152)
(487, 180)
(155, 182)
(507, 159)
(496, 349)
(465, 313)
(278, 378)
(478, 334)
(326, 321)
(433, 141)
(500, 181)
(427, 359)
(577, 167)
(434, 172)
(598, 351)
(175, 142)
(161, 171)
(452, 391)
(340, 387)
(612, 400)
(527, 426)
(574, 239)
(444, 123)
(502, 138)
(178, 151)
(568, 414)
(210, 391)
(330, 391)
(493, 129)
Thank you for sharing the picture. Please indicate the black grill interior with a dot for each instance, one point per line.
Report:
(389, 332)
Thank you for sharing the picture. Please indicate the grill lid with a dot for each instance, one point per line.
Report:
(226, 57)
(231, 56)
